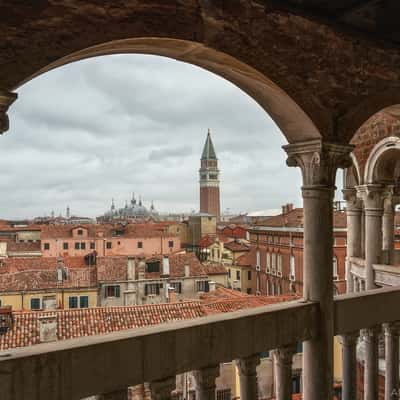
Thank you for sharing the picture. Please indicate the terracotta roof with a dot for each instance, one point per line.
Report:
(248, 259)
(101, 320)
(294, 219)
(236, 246)
(206, 241)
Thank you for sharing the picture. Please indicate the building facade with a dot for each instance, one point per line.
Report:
(209, 180)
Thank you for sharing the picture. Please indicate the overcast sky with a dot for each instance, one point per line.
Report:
(109, 126)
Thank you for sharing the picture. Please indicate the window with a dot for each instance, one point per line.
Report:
(170, 244)
(273, 259)
(258, 261)
(224, 394)
(270, 239)
(46, 246)
(153, 266)
(202, 286)
(268, 263)
(279, 264)
(109, 245)
(248, 290)
(92, 245)
(83, 246)
(238, 275)
(112, 291)
(73, 301)
(229, 272)
(77, 245)
(268, 288)
(80, 232)
(84, 301)
(65, 246)
(35, 304)
(292, 276)
(335, 268)
(140, 245)
(177, 286)
(249, 275)
(152, 288)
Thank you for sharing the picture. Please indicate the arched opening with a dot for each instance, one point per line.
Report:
(290, 118)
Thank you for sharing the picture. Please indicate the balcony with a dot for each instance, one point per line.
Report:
(108, 364)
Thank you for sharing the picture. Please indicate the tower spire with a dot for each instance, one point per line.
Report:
(209, 179)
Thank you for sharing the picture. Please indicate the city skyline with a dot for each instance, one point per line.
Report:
(101, 128)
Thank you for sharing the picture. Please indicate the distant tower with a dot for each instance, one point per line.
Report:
(68, 213)
(209, 180)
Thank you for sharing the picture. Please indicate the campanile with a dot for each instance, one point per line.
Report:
(209, 180)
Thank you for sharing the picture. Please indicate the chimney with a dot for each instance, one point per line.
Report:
(212, 286)
(171, 295)
(187, 271)
(284, 209)
(289, 207)
(165, 266)
(130, 269)
(47, 328)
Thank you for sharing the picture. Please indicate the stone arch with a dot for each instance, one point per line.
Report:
(294, 123)
(383, 163)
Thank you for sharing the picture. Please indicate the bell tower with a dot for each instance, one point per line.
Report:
(209, 180)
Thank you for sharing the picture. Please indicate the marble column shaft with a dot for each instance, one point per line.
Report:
(247, 368)
(205, 385)
(371, 362)
(161, 390)
(283, 361)
(392, 332)
(349, 359)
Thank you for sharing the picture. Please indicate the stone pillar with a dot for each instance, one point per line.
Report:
(353, 214)
(204, 380)
(117, 395)
(318, 162)
(392, 332)
(372, 195)
(355, 286)
(371, 362)
(349, 360)
(6, 99)
(388, 226)
(161, 390)
(283, 360)
(248, 377)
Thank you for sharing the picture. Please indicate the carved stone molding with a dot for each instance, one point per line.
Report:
(318, 161)
(373, 196)
(371, 334)
(205, 378)
(161, 390)
(6, 99)
(349, 339)
(248, 366)
(391, 329)
(284, 355)
(353, 202)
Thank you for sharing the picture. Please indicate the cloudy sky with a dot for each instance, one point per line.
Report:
(109, 126)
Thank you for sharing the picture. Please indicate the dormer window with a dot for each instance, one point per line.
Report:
(80, 232)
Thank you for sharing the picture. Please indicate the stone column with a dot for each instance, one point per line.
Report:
(318, 162)
(388, 226)
(355, 286)
(353, 214)
(6, 99)
(283, 360)
(161, 390)
(373, 196)
(349, 356)
(204, 380)
(117, 395)
(392, 332)
(371, 362)
(248, 377)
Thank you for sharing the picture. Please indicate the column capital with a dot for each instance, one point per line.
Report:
(318, 161)
(391, 329)
(284, 355)
(371, 333)
(353, 202)
(349, 339)
(205, 378)
(6, 99)
(161, 390)
(372, 195)
(247, 366)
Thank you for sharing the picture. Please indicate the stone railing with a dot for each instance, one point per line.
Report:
(107, 365)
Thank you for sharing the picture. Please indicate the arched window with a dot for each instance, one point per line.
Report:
(335, 268)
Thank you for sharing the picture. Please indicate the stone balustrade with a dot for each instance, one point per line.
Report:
(107, 365)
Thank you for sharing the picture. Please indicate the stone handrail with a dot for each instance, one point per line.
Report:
(77, 368)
